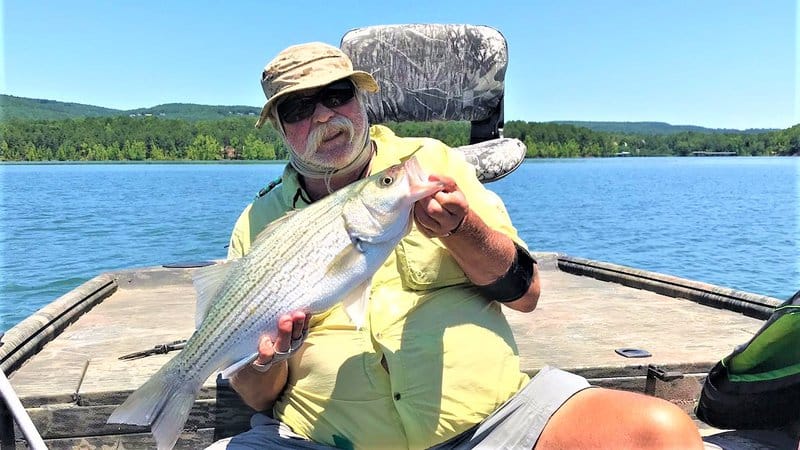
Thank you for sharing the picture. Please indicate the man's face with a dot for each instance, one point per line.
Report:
(325, 127)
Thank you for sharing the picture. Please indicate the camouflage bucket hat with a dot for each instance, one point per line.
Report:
(308, 66)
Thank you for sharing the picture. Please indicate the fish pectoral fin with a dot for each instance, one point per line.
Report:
(207, 282)
(348, 258)
(355, 303)
(238, 365)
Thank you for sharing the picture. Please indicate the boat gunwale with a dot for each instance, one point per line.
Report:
(28, 337)
(25, 339)
(752, 305)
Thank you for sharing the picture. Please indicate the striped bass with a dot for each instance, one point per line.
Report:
(308, 260)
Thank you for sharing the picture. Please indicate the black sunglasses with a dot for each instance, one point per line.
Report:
(296, 107)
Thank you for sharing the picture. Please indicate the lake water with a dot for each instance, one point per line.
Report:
(726, 221)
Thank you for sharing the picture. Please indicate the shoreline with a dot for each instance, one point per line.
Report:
(286, 161)
(145, 162)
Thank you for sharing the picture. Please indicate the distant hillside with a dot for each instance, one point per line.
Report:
(189, 111)
(31, 108)
(12, 107)
(653, 128)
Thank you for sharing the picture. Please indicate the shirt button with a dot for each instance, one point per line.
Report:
(397, 396)
(378, 335)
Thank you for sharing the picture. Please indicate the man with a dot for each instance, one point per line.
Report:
(435, 364)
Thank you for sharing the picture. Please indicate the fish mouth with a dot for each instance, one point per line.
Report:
(419, 184)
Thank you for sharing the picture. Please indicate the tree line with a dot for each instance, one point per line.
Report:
(553, 141)
(155, 139)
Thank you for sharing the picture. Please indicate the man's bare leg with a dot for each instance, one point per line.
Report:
(606, 418)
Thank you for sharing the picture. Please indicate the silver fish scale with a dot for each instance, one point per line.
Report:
(273, 279)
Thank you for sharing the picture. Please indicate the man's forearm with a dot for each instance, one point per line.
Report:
(485, 255)
(260, 390)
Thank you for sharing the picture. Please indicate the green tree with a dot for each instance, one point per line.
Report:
(29, 152)
(65, 152)
(255, 148)
(134, 150)
(97, 152)
(204, 148)
(115, 152)
(570, 149)
(4, 154)
(157, 153)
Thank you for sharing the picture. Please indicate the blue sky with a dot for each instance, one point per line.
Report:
(714, 63)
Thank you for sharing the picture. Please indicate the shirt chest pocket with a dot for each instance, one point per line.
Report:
(424, 264)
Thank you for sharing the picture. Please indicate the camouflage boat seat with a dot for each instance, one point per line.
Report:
(431, 72)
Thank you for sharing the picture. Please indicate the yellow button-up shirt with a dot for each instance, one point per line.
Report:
(450, 353)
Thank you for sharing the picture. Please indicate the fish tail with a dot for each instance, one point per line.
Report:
(163, 402)
(169, 424)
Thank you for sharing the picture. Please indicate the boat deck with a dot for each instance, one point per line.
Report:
(72, 380)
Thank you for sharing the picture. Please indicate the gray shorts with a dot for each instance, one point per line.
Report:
(516, 424)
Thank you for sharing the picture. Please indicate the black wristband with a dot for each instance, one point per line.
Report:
(515, 283)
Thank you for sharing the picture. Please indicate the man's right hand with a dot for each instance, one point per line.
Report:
(260, 389)
(292, 331)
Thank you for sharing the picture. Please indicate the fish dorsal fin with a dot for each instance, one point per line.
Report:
(207, 282)
(270, 228)
(355, 303)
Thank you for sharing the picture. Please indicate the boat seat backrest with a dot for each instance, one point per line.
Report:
(430, 72)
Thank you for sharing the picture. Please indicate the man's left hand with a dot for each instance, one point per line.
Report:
(442, 213)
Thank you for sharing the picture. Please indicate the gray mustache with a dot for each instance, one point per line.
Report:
(318, 134)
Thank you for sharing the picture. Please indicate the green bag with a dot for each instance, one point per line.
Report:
(758, 385)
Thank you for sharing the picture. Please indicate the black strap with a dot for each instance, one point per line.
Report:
(299, 195)
(516, 282)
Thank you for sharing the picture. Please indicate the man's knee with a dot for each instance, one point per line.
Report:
(605, 418)
(660, 424)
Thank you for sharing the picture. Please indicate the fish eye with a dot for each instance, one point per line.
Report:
(387, 181)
